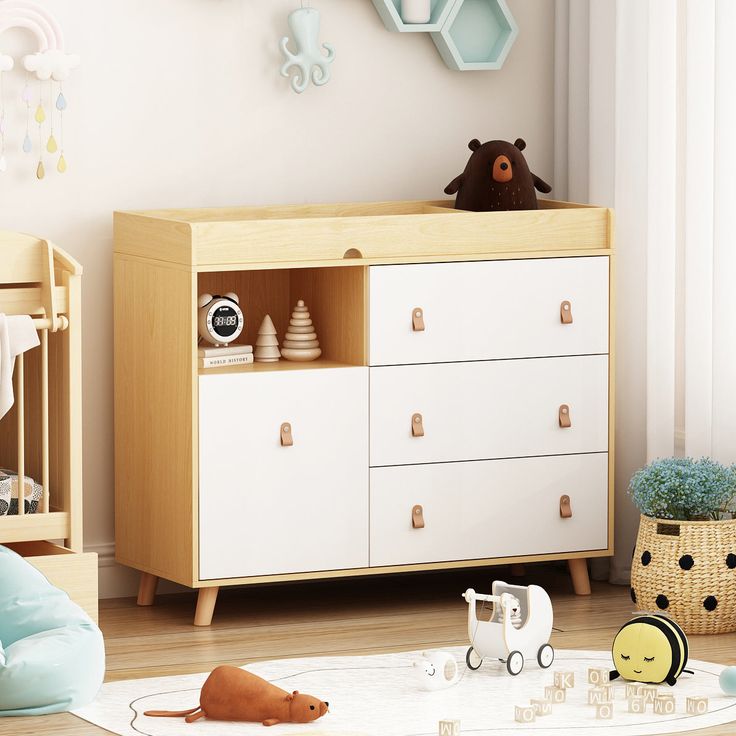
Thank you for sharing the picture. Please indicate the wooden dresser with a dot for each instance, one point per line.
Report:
(460, 413)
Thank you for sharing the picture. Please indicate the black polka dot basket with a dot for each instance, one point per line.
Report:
(687, 569)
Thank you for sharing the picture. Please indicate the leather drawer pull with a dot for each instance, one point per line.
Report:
(565, 507)
(417, 425)
(287, 439)
(566, 313)
(417, 517)
(564, 416)
(417, 319)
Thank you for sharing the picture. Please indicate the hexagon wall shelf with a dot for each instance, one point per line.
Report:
(390, 12)
(471, 35)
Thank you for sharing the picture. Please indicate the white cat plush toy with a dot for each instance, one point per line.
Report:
(435, 671)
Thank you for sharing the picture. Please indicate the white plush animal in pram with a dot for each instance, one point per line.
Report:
(519, 627)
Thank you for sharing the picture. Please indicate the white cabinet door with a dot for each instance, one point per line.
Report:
(488, 409)
(489, 309)
(492, 508)
(265, 508)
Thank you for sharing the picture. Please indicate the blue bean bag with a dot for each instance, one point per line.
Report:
(52, 655)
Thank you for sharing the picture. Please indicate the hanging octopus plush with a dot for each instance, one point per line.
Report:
(312, 65)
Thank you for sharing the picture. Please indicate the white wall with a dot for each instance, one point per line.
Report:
(179, 103)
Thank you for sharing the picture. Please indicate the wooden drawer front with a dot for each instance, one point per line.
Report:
(265, 508)
(489, 309)
(491, 508)
(488, 409)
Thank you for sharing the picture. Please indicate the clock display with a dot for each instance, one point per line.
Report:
(225, 321)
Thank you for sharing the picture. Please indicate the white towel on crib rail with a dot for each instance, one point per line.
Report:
(17, 334)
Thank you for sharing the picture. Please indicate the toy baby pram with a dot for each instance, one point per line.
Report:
(519, 627)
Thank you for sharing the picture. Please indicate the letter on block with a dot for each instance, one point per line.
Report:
(649, 693)
(541, 707)
(555, 694)
(637, 704)
(696, 706)
(596, 696)
(664, 705)
(597, 676)
(449, 728)
(633, 689)
(604, 711)
(524, 714)
(564, 679)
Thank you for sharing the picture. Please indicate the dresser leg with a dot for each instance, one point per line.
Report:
(579, 574)
(206, 600)
(147, 589)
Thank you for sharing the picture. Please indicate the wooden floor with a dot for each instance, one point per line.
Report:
(340, 617)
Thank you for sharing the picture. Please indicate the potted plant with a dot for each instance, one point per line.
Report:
(684, 562)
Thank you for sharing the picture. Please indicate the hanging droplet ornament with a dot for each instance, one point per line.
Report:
(61, 166)
(40, 114)
(26, 94)
(40, 171)
(60, 106)
(61, 102)
(27, 145)
(51, 146)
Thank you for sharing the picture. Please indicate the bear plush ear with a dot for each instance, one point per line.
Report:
(474, 145)
(520, 143)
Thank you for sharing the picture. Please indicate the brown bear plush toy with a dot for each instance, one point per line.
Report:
(496, 177)
(232, 694)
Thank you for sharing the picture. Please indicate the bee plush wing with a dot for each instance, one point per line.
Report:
(613, 675)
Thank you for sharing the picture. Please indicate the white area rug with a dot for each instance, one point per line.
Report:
(377, 696)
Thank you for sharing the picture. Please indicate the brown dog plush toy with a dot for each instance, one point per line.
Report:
(232, 694)
(496, 177)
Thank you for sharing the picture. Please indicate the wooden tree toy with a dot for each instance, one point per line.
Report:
(267, 346)
(450, 728)
(696, 706)
(300, 341)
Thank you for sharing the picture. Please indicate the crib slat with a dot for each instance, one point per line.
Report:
(45, 500)
(20, 411)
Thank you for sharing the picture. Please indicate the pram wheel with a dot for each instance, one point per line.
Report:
(545, 656)
(515, 663)
(472, 659)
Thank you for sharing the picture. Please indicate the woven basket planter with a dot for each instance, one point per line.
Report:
(688, 570)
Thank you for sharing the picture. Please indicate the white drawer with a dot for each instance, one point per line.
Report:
(492, 508)
(488, 409)
(265, 508)
(489, 309)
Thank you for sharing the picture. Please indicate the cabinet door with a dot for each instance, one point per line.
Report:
(492, 508)
(489, 409)
(266, 508)
(488, 309)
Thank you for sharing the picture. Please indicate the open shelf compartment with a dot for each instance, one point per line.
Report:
(390, 12)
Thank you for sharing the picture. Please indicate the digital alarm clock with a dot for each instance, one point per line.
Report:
(220, 318)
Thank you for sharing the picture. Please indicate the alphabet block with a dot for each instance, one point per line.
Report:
(564, 679)
(664, 705)
(604, 711)
(649, 693)
(524, 714)
(608, 692)
(637, 704)
(696, 706)
(449, 728)
(597, 676)
(633, 689)
(596, 696)
(555, 694)
(541, 707)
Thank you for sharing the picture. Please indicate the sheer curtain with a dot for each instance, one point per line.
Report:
(646, 123)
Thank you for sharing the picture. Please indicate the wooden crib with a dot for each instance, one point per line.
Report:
(41, 436)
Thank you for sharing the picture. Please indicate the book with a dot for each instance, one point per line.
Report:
(222, 361)
(229, 350)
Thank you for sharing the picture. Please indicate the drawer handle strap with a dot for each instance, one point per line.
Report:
(417, 425)
(565, 507)
(417, 319)
(566, 313)
(287, 439)
(564, 416)
(417, 517)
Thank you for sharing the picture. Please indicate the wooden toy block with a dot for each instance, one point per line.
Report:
(555, 694)
(696, 705)
(541, 707)
(524, 714)
(664, 705)
(564, 679)
(449, 728)
(597, 676)
(633, 689)
(637, 704)
(609, 692)
(649, 693)
(597, 695)
(604, 711)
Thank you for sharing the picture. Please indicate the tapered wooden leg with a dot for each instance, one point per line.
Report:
(205, 606)
(579, 575)
(518, 571)
(147, 589)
